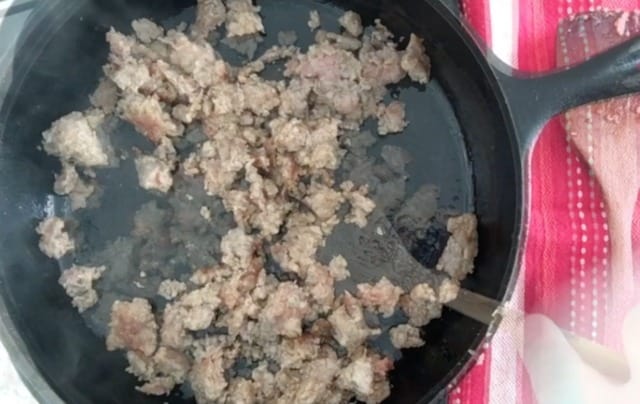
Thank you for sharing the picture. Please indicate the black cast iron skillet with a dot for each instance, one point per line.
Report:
(471, 131)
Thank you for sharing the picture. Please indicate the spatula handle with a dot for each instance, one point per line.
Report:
(475, 306)
(622, 272)
(604, 360)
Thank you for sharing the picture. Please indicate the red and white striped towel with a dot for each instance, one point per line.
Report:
(566, 265)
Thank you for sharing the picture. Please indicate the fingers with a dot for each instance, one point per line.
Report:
(553, 366)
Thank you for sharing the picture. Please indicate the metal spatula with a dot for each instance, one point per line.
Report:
(378, 250)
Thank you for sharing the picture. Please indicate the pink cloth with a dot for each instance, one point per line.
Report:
(567, 251)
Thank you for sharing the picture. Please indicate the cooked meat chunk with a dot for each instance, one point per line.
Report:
(161, 372)
(346, 42)
(320, 283)
(352, 23)
(74, 140)
(260, 96)
(421, 305)
(170, 289)
(207, 376)
(171, 363)
(173, 332)
(199, 307)
(357, 377)
(406, 336)
(237, 321)
(154, 174)
(184, 87)
(462, 247)
(221, 161)
(297, 251)
(284, 311)
(338, 268)
(349, 327)
(382, 66)
(149, 117)
(243, 18)
(415, 61)
(140, 365)
(361, 206)
(158, 386)
(106, 96)
(54, 241)
(380, 392)
(325, 63)
(448, 291)
(146, 30)
(237, 248)
(166, 152)
(132, 327)
(324, 202)
(211, 14)
(314, 20)
(68, 182)
(198, 59)
(185, 113)
(205, 213)
(294, 352)
(423, 292)
(121, 46)
(77, 281)
(228, 98)
(246, 45)
(265, 380)
(293, 100)
(382, 296)
(290, 135)
(194, 311)
(130, 76)
(391, 118)
(367, 377)
(315, 383)
(242, 391)
(322, 150)
(80, 194)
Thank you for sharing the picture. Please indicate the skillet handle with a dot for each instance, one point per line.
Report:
(534, 99)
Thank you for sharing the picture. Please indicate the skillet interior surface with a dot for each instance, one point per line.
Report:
(460, 138)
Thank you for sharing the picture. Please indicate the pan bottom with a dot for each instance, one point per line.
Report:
(61, 345)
